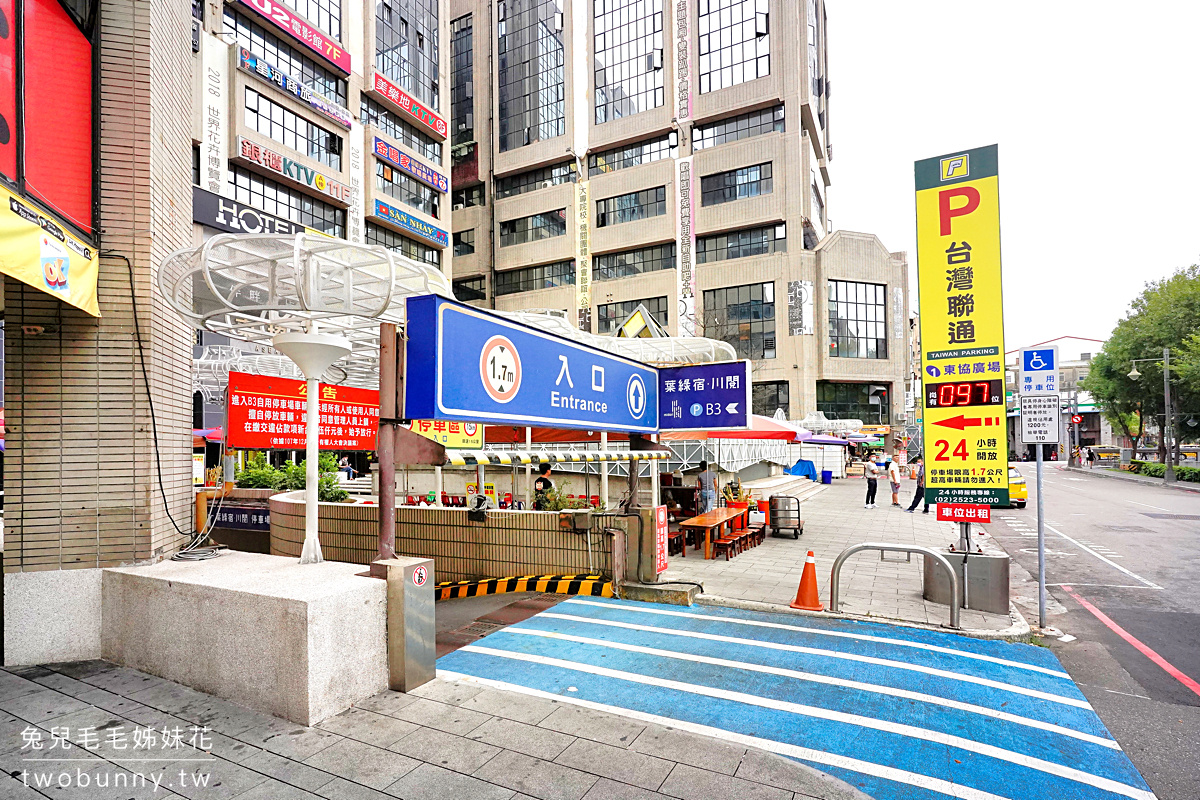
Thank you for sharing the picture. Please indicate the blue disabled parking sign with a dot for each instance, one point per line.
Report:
(1039, 371)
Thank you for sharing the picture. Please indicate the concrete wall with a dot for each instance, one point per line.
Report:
(51, 615)
(508, 543)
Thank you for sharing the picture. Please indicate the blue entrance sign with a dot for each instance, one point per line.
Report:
(464, 363)
(707, 396)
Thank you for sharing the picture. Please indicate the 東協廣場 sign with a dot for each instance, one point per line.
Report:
(704, 396)
(398, 158)
(465, 363)
(962, 328)
(273, 75)
(402, 219)
(293, 170)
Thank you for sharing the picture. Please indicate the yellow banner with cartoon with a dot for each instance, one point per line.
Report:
(962, 328)
(35, 249)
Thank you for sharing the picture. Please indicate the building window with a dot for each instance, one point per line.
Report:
(529, 45)
(267, 117)
(735, 42)
(325, 14)
(857, 320)
(390, 123)
(546, 276)
(536, 179)
(464, 242)
(736, 184)
(633, 206)
(282, 201)
(771, 395)
(818, 210)
(634, 262)
(470, 289)
(743, 126)
(258, 40)
(743, 316)
(530, 229)
(629, 57)
(630, 155)
(861, 401)
(741, 244)
(611, 315)
(377, 234)
(397, 185)
(195, 164)
(406, 46)
(462, 80)
(470, 196)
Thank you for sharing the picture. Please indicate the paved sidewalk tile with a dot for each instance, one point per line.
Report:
(445, 750)
(428, 782)
(283, 769)
(606, 789)
(368, 726)
(450, 719)
(454, 694)
(532, 741)
(388, 702)
(536, 777)
(363, 763)
(41, 706)
(619, 764)
(594, 725)
(690, 783)
(688, 748)
(510, 705)
(342, 789)
(288, 739)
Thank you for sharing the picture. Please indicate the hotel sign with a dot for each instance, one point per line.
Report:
(267, 72)
(401, 160)
(411, 224)
(400, 99)
(293, 170)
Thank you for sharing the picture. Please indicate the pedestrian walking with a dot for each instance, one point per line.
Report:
(708, 489)
(1091, 458)
(918, 468)
(871, 472)
(893, 473)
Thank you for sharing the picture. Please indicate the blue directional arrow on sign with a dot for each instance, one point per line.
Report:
(704, 396)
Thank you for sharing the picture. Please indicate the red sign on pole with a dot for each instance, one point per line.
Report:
(270, 414)
(660, 539)
(1077, 418)
(962, 512)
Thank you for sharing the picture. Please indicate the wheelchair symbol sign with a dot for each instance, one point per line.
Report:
(1038, 360)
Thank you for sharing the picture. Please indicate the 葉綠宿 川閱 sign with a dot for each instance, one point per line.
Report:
(962, 328)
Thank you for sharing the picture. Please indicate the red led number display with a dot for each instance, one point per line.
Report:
(961, 394)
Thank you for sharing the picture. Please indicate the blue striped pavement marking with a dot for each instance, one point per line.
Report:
(900, 712)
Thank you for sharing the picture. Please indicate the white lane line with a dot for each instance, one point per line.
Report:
(814, 651)
(1147, 505)
(780, 748)
(1105, 585)
(825, 679)
(862, 637)
(899, 729)
(1108, 561)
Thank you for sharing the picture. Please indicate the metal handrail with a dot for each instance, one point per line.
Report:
(955, 590)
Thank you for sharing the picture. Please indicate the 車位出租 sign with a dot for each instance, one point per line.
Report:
(704, 396)
(464, 363)
(962, 328)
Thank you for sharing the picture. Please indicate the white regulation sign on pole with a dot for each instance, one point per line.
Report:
(1039, 418)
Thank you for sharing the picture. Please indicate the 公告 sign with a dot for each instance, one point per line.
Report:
(962, 328)
(293, 170)
(398, 158)
(266, 413)
(273, 75)
(471, 365)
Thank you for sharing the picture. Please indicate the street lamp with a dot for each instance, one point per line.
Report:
(1169, 474)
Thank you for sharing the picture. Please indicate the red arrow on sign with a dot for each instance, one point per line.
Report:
(960, 422)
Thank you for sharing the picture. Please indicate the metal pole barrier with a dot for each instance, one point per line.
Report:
(955, 588)
(386, 448)
(1041, 517)
(1169, 473)
(604, 471)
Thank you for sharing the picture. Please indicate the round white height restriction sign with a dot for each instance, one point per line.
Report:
(500, 369)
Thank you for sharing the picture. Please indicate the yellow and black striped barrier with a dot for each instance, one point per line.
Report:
(594, 585)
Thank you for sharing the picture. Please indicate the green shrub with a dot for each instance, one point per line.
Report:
(259, 477)
(1153, 469)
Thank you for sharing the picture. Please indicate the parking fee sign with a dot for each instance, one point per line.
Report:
(1039, 419)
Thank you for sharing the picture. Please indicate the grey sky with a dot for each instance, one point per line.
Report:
(1095, 111)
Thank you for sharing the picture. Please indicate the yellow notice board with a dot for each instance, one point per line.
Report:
(962, 328)
(454, 435)
(35, 249)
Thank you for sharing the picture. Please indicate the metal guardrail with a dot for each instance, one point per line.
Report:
(955, 589)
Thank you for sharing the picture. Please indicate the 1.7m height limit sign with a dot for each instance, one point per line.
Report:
(962, 328)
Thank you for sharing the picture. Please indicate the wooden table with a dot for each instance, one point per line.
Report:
(717, 519)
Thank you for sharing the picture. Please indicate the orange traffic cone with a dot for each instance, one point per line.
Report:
(806, 596)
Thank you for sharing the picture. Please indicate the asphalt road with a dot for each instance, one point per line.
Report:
(1132, 553)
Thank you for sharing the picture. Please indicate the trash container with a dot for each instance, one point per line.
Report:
(827, 476)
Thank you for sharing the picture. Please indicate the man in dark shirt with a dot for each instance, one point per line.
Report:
(541, 485)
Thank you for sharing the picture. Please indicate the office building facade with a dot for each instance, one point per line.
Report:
(675, 155)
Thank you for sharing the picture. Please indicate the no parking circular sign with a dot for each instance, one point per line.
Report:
(420, 575)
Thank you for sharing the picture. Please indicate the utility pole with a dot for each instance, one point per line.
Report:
(1169, 475)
